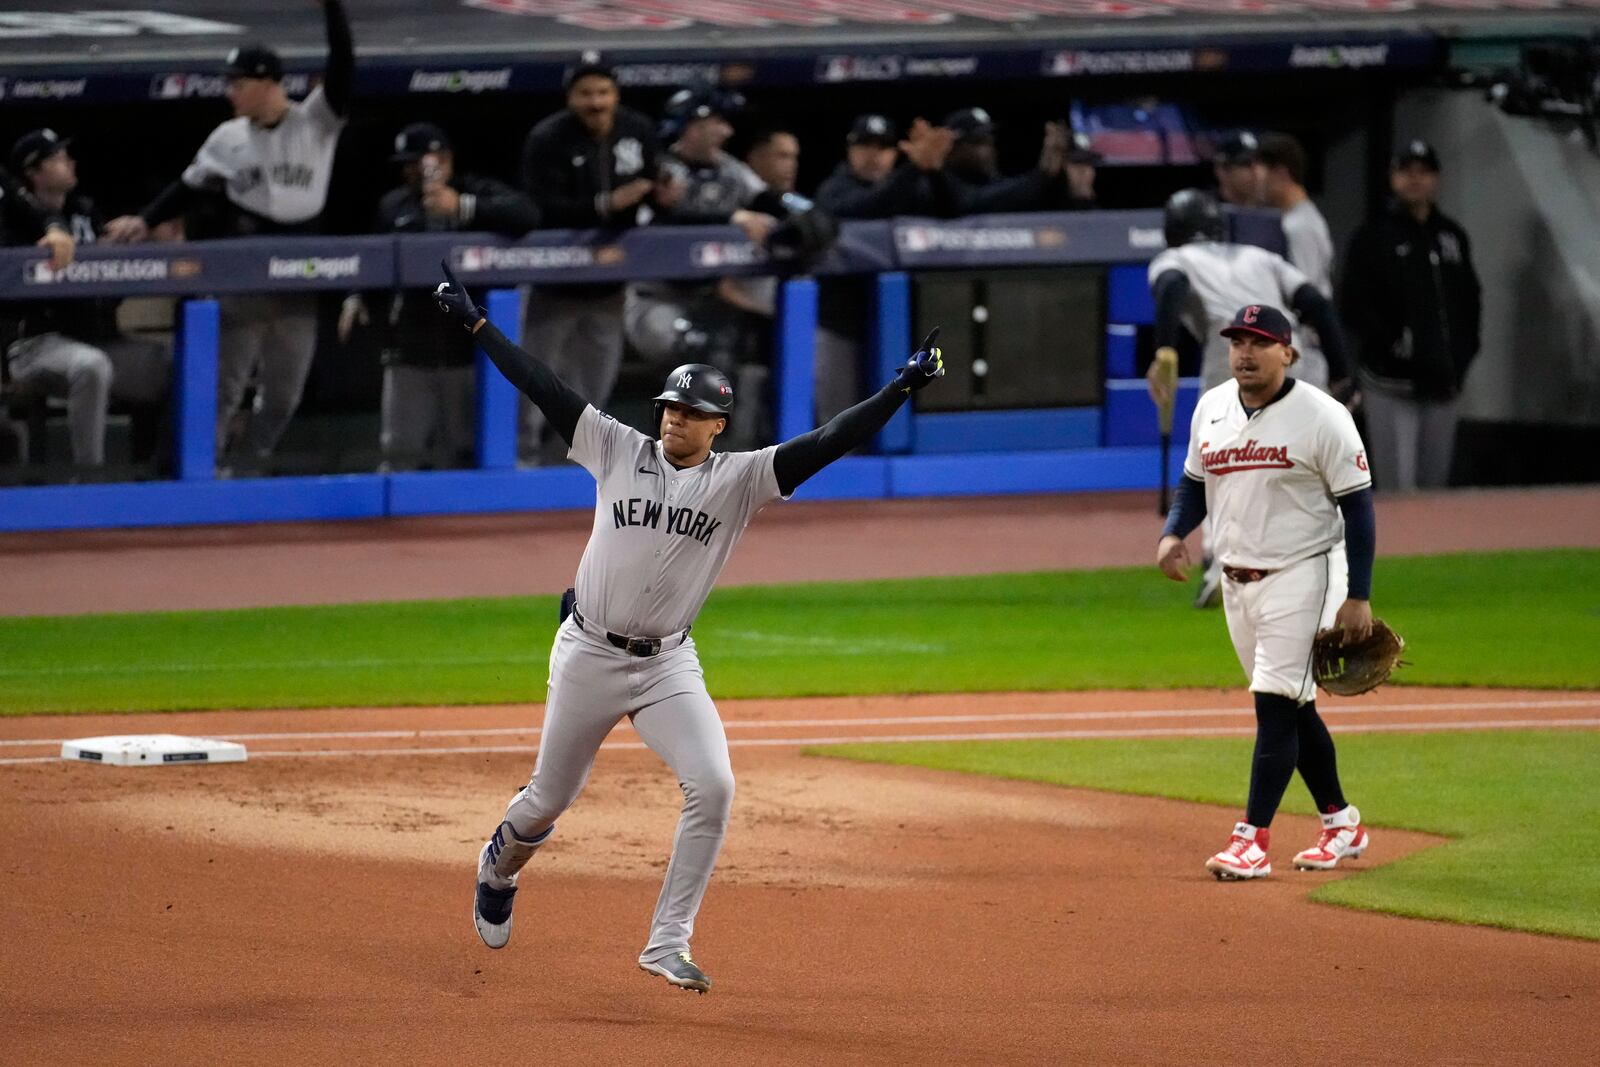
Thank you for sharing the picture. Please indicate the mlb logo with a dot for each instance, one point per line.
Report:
(40, 273)
(833, 69)
(725, 389)
(914, 239)
(471, 259)
(167, 87)
(708, 255)
(1064, 63)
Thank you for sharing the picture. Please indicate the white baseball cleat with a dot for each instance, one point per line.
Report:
(1343, 838)
(1244, 858)
(491, 907)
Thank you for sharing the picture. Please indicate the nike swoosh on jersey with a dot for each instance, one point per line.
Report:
(646, 470)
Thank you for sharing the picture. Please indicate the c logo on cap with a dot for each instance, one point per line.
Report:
(1250, 314)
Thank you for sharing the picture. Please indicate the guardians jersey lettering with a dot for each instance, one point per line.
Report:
(682, 521)
(1276, 503)
(1249, 456)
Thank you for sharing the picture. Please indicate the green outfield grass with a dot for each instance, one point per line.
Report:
(1507, 619)
(1522, 807)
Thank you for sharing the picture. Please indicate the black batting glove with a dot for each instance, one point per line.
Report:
(456, 302)
(925, 364)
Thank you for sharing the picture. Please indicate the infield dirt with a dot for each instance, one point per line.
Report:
(311, 907)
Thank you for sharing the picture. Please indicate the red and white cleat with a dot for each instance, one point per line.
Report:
(1343, 838)
(1244, 858)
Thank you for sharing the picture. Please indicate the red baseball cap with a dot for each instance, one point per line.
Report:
(1261, 320)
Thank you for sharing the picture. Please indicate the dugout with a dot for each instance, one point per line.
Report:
(140, 99)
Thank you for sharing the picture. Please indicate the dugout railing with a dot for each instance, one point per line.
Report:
(1112, 448)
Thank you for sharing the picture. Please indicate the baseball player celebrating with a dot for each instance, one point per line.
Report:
(1197, 283)
(1276, 463)
(668, 513)
(270, 164)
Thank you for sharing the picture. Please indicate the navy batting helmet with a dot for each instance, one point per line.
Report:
(1191, 214)
(700, 386)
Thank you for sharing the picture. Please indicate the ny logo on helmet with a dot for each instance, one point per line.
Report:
(685, 379)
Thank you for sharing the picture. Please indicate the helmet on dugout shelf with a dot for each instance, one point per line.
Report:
(700, 386)
(1191, 214)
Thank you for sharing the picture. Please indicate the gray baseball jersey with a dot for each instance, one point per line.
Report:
(279, 172)
(1311, 250)
(1222, 279)
(661, 535)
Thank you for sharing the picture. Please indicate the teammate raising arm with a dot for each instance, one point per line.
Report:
(668, 513)
(1276, 463)
(265, 171)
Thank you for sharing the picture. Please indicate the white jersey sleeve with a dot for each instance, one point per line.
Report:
(1340, 452)
(756, 473)
(212, 167)
(1167, 260)
(1193, 466)
(1290, 277)
(599, 439)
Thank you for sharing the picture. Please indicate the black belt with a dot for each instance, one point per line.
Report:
(633, 646)
(1245, 574)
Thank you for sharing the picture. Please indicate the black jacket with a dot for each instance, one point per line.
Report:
(1410, 298)
(906, 191)
(92, 320)
(1032, 191)
(565, 170)
(414, 333)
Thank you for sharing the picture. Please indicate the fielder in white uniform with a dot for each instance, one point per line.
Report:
(668, 513)
(1281, 470)
(271, 164)
(1198, 283)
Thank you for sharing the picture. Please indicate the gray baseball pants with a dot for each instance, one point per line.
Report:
(274, 337)
(1412, 441)
(835, 375)
(593, 685)
(129, 368)
(427, 416)
(580, 337)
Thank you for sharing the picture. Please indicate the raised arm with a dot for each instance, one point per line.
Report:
(561, 406)
(800, 457)
(340, 73)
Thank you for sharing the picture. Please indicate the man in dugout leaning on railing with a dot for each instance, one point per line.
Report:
(269, 165)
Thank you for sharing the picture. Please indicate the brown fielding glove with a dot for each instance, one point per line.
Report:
(1347, 670)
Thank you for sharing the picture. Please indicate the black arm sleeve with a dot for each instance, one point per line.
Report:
(800, 457)
(1170, 291)
(1317, 310)
(1360, 540)
(498, 207)
(561, 406)
(173, 201)
(848, 201)
(1025, 192)
(340, 72)
(1188, 507)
